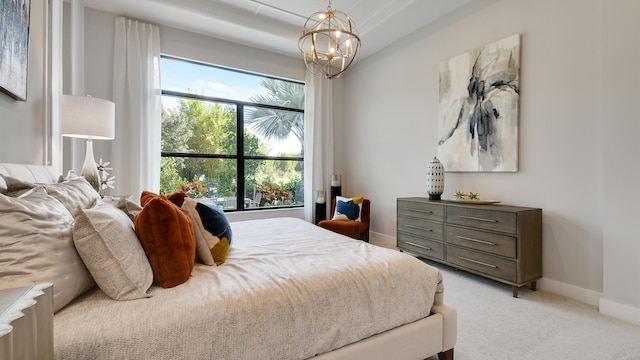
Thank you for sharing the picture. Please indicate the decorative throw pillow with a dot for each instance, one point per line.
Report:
(177, 198)
(348, 209)
(108, 245)
(36, 245)
(205, 241)
(215, 222)
(168, 239)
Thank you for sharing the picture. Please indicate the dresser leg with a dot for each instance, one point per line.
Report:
(515, 291)
(533, 285)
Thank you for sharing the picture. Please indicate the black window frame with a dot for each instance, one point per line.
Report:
(240, 157)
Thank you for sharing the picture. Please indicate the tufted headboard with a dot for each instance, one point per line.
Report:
(26, 172)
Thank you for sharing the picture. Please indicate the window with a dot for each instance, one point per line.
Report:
(231, 138)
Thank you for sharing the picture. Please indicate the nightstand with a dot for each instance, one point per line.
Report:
(26, 323)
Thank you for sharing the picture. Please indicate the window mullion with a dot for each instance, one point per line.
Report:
(240, 153)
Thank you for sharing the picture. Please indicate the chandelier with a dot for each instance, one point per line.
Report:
(329, 43)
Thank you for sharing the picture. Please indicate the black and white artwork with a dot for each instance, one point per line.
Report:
(14, 51)
(478, 110)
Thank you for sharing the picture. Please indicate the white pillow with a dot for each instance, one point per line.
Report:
(73, 194)
(36, 245)
(107, 243)
(15, 187)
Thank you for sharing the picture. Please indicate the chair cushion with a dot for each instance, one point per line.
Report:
(351, 229)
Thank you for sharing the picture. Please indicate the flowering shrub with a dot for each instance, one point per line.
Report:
(274, 195)
(193, 189)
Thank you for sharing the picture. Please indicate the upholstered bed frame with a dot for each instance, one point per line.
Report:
(435, 334)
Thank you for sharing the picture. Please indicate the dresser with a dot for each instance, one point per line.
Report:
(499, 242)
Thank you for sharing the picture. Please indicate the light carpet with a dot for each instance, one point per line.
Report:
(493, 325)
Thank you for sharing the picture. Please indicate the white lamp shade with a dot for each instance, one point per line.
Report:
(87, 117)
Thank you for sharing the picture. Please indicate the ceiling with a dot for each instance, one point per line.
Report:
(276, 25)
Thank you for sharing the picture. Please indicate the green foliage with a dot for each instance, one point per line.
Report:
(169, 176)
(277, 124)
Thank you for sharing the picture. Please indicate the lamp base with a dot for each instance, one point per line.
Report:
(89, 168)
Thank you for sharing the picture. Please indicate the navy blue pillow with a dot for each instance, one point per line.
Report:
(348, 208)
(215, 221)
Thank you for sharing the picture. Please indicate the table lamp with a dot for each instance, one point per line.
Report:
(88, 118)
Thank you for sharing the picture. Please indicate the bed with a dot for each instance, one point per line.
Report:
(288, 290)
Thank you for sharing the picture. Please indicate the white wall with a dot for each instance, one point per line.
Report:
(388, 127)
(621, 76)
(23, 123)
(99, 33)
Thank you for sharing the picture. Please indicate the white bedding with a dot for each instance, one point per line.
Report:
(288, 290)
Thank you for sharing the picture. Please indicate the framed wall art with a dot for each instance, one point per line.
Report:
(14, 51)
(478, 108)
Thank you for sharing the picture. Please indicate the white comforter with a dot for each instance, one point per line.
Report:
(288, 290)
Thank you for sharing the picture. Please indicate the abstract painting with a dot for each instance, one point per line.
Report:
(14, 51)
(478, 110)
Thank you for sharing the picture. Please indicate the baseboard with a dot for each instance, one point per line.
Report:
(620, 311)
(571, 291)
(382, 240)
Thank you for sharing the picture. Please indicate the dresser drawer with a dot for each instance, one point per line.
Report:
(503, 245)
(482, 262)
(416, 209)
(421, 227)
(501, 221)
(421, 246)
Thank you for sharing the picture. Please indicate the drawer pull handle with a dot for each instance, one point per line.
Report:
(476, 240)
(418, 228)
(479, 219)
(417, 245)
(478, 262)
(421, 211)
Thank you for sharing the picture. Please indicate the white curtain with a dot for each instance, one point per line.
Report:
(136, 93)
(318, 140)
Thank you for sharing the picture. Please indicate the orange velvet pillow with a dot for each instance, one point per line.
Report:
(176, 198)
(167, 236)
